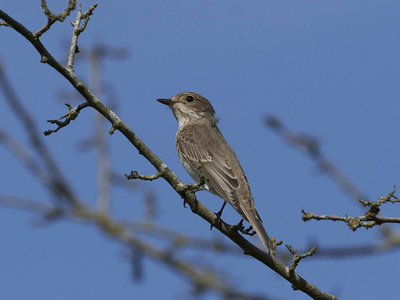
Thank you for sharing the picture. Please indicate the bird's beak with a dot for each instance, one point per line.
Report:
(165, 101)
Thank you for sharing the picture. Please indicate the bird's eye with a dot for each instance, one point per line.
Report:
(189, 98)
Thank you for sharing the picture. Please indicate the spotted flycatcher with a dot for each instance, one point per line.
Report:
(202, 148)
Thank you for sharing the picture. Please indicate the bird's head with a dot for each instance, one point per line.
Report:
(188, 106)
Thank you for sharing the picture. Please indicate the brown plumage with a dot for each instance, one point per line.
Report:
(199, 141)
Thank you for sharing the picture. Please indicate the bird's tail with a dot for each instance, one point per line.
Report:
(254, 219)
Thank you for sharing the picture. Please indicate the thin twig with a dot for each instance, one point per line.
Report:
(136, 175)
(52, 18)
(74, 42)
(76, 32)
(368, 220)
(353, 222)
(71, 115)
(297, 258)
(86, 16)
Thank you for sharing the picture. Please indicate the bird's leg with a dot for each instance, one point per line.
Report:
(219, 214)
(240, 226)
(243, 230)
(249, 231)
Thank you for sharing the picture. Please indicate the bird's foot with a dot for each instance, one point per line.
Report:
(240, 227)
(249, 231)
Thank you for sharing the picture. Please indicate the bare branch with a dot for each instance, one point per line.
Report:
(353, 222)
(368, 220)
(76, 32)
(71, 115)
(52, 18)
(86, 16)
(136, 175)
(389, 198)
(296, 259)
(74, 42)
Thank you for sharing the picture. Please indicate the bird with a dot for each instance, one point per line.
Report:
(202, 149)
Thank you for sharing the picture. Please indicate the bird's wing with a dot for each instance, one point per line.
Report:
(208, 150)
(215, 168)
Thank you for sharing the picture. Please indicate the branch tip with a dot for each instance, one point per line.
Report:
(72, 114)
(136, 175)
(52, 18)
(77, 31)
(298, 257)
(368, 220)
(112, 129)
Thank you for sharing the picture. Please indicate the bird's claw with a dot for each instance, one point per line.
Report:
(249, 231)
(240, 227)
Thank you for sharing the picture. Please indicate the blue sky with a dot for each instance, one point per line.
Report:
(326, 68)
